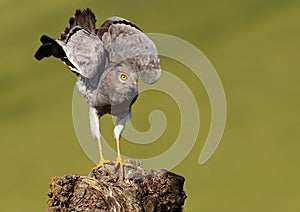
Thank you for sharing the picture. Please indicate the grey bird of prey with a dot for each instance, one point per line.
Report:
(108, 62)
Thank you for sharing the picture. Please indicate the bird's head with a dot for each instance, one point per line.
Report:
(126, 77)
(123, 83)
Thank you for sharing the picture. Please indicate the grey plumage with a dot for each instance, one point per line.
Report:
(108, 63)
(127, 43)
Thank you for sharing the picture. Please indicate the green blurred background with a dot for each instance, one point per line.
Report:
(254, 46)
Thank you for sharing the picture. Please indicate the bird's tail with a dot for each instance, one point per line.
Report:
(85, 19)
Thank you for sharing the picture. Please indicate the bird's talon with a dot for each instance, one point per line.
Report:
(120, 163)
(101, 164)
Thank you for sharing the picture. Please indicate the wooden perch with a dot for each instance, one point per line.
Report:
(104, 190)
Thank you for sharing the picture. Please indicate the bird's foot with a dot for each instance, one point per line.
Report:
(120, 164)
(101, 164)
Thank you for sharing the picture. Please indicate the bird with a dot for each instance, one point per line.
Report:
(108, 62)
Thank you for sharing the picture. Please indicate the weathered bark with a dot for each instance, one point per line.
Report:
(104, 190)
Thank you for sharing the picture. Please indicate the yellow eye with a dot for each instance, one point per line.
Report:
(123, 77)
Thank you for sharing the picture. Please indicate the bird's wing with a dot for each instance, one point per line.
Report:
(79, 47)
(85, 51)
(125, 42)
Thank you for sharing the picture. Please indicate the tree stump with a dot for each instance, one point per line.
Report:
(138, 190)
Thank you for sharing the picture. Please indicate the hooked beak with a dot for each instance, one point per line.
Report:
(134, 82)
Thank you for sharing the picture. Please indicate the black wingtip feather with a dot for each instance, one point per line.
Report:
(43, 51)
(49, 48)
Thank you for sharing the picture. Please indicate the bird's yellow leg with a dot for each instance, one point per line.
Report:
(102, 161)
(119, 161)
